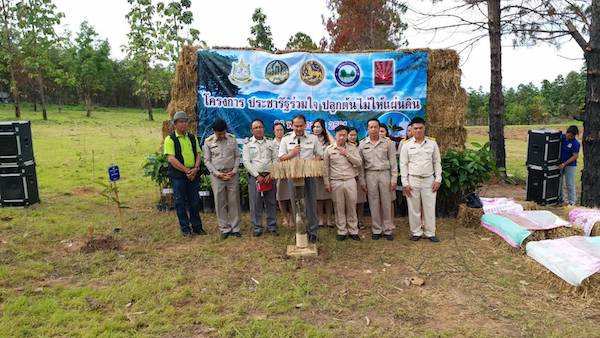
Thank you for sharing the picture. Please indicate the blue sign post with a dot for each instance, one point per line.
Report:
(113, 173)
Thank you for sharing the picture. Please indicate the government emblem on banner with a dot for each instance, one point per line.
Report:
(347, 73)
(277, 72)
(312, 73)
(384, 72)
(240, 74)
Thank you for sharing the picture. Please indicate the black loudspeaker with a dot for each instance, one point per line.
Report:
(543, 184)
(18, 185)
(543, 147)
(16, 145)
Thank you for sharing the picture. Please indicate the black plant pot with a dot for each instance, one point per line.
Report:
(207, 202)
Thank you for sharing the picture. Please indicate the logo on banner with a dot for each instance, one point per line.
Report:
(384, 72)
(277, 72)
(347, 73)
(312, 73)
(240, 74)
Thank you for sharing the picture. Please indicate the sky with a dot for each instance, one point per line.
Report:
(227, 23)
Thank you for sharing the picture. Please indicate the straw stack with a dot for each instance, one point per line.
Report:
(446, 99)
(297, 168)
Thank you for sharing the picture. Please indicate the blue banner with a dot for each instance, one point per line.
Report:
(241, 85)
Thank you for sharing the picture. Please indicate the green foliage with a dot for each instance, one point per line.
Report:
(464, 171)
(175, 17)
(261, 32)
(90, 63)
(155, 167)
(562, 98)
(111, 193)
(205, 182)
(36, 22)
(301, 41)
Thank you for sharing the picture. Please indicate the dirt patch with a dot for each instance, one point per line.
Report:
(501, 189)
(84, 190)
(101, 242)
(86, 245)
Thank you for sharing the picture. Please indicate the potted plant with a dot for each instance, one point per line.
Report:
(463, 172)
(207, 202)
(155, 167)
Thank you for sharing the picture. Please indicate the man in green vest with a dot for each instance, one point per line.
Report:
(183, 153)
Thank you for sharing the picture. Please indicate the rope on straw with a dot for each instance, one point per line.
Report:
(297, 169)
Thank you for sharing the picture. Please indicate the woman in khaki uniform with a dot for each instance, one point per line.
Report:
(283, 191)
(384, 132)
(361, 195)
(324, 202)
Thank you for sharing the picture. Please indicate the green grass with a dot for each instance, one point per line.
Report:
(159, 284)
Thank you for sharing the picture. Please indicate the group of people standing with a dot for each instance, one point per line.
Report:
(355, 172)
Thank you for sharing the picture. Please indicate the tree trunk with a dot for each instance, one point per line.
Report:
(88, 105)
(496, 100)
(42, 97)
(590, 178)
(147, 94)
(149, 107)
(35, 103)
(14, 88)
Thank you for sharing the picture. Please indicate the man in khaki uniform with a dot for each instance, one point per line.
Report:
(421, 173)
(341, 162)
(222, 158)
(258, 154)
(380, 176)
(300, 144)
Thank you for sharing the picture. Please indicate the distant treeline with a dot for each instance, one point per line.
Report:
(561, 99)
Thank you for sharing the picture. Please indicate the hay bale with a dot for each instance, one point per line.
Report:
(183, 88)
(590, 287)
(446, 99)
(562, 232)
(469, 217)
(529, 205)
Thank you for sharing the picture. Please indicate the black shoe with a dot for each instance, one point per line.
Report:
(389, 237)
(415, 238)
(340, 237)
(361, 226)
(200, 232)
(274, 232)
(434, 239)
(257, 233)
(355, 237)
(186, 234)
(375, 237)
(224, 235)
(236, 234)
(312, 239)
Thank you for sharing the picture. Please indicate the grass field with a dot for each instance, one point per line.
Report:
(160, 284)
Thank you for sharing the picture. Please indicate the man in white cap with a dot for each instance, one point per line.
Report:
(183, 154)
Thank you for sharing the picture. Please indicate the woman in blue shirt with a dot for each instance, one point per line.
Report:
(569, 152)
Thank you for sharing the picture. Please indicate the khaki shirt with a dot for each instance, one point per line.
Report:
(258, 155)
(309, 145)
(420, 160)
(380, 155)
(338, 166)
(221, 154)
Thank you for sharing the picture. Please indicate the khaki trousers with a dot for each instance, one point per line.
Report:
(227, 203)
(422, 201)
(380, 201)
(344, 199)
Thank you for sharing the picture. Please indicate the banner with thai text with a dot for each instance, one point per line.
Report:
(241, 85)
